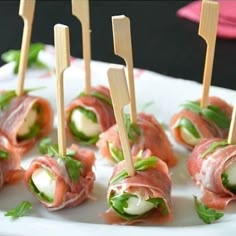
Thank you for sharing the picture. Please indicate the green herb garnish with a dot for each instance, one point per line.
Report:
(132, 129)
(188, 125)
(44, 145)
(213, 147)
(34, 130)
(14, 56)
(225, 182)
(116, 153)
(159, 202)
(87, 113)
(4, 155)
(20, 210)
(206, 214)
(139, 165)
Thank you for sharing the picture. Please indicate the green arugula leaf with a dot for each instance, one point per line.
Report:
(225, 182)
(192, 106)
(132, 129)
(20, 210)
(214, 146)
(42, 196)
(116, 154)
(14, 56)
(188, 125)
(87, 113)
(33, 132)
(73, 167)
(53, 150)
(139, 165)
(81, 137)
(44, 145)
(3, 155)
(159, 202)
(206, 214)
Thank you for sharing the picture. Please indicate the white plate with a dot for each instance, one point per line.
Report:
(167, 93)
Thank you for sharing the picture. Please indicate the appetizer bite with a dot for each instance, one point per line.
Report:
(193, 123)
(91, 112)
(212, 166)
(10, 170)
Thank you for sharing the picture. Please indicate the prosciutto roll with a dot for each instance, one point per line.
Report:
(59, 182)
(25, 120)
(89, 115)
(147, 133)
(144, 197)
(212, 165)
(10, 171)
(193, 124)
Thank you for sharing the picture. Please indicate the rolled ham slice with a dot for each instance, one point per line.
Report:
(207, 170)
(13, 117)
(153, 182)
(68, 193)
(205, 127)
(152, 137)
(104, 111)
(10, 170)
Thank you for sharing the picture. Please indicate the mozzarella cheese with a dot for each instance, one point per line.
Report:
(188, 137)
(137, 206)
(44, 182)
(231, 172)
(29, 121)
(85, 125)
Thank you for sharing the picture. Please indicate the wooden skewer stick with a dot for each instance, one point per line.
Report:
(62, 47)
(120, 98)
(26, 11)
(207, 30)
(123, 48)
(80, 9)
(232, 129)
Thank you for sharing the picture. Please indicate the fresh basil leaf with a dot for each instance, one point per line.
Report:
(14, 56)
(4, 155)
(20, 210)
(44, 144)
(188, 125)
(73, 167)
(88, 113)
(192, 106)
(206, 214)
(132, 129)
(159, 202)
(82, 138)
(116, 153)
(42, 196)
(225, 182)
(213, 147)
(33, 132)
(217, 116)
(139, 165)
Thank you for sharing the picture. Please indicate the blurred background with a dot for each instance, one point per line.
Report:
(162, 42)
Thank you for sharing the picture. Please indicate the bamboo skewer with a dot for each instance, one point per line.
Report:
(207, 30)
(80, 9)
(26, 11)
(62, 47)
(123, 48)
(232, 129)
(120, 98)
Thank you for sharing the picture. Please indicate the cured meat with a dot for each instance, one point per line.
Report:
(99, 103)
(68, 192)
(10, 171)
(152, 137)
(207, 165)
(205, 127)
(15, 115)
(150, 184)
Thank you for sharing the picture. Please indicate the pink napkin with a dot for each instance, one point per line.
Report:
(227, 16)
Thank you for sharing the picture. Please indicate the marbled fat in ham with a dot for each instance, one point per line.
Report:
(152, 137)
(205, 127)
(206, 172)
(67, 193)
(13, 117)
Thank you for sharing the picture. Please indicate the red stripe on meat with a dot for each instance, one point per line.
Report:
(68, 193)
(206, 172)
(149, 183)
(152, 137)
(13, 117)
(206, 128)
